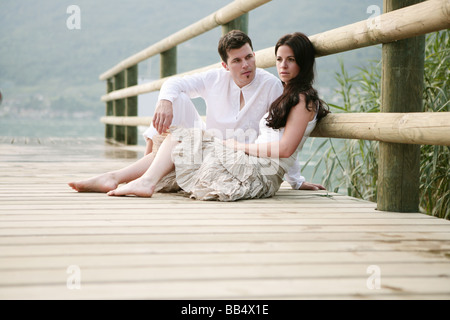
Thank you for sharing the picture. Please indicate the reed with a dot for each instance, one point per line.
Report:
(435, 160)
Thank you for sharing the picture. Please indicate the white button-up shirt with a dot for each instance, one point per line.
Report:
(223, 112)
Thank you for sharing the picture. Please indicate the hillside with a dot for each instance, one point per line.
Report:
(52, 70)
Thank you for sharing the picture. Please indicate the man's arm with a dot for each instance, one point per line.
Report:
(192, 85)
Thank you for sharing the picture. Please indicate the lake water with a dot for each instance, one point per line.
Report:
(44, 128)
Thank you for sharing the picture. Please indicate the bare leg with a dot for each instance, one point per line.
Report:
(111, 180)
(148, 146)
(160, 167)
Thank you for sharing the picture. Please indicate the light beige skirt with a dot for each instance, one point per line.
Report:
(205, 169)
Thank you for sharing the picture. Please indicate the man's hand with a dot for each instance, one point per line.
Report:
(163, 116)
(311, 186)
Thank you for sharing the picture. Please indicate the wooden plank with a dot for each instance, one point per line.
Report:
(356, 237)
(230, 230)
(196, 214)
(53, 276)
(249, 222)
(47, 250)
(134, 259)
(237, 289)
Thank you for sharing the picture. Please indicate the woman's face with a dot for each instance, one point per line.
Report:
(287, 67)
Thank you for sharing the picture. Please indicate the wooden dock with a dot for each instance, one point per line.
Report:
(56, 243)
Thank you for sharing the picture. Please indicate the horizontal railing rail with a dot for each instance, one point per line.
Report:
(429, 16)
(410, 128)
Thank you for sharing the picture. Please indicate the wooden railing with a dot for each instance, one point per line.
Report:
(393, 125)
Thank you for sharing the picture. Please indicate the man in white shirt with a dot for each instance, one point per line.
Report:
(236, 97)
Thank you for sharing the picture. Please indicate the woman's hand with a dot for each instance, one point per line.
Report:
(311, 186)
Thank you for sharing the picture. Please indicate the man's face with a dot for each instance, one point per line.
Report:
(242, 65)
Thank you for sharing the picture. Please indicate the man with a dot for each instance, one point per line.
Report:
(236, 97)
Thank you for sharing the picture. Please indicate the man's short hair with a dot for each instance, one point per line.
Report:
(234, 39)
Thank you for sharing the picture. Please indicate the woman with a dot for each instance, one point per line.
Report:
(229, 171)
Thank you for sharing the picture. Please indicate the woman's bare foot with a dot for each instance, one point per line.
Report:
(140, 188)
(102, 183)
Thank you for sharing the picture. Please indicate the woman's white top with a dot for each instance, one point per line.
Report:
(268, 134)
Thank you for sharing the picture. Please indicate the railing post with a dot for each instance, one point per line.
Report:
(109, 129)
(240, 23)
(131, 105)
(402, 91)
(122, 107)
(168, 63)
(119, 107)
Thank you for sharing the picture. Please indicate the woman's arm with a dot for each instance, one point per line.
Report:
(295, 128)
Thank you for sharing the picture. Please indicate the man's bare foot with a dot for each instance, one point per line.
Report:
(140, 188)
(102, 183)
(311, 186)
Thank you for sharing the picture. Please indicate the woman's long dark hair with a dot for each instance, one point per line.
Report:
(304, 53)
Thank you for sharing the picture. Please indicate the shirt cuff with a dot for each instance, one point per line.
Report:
(295, 185)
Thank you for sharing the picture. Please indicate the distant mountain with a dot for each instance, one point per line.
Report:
(46, 64)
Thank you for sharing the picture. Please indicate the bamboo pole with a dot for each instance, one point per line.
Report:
(402, 91)
(220, 17)
(411, 128)
(420, 19)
